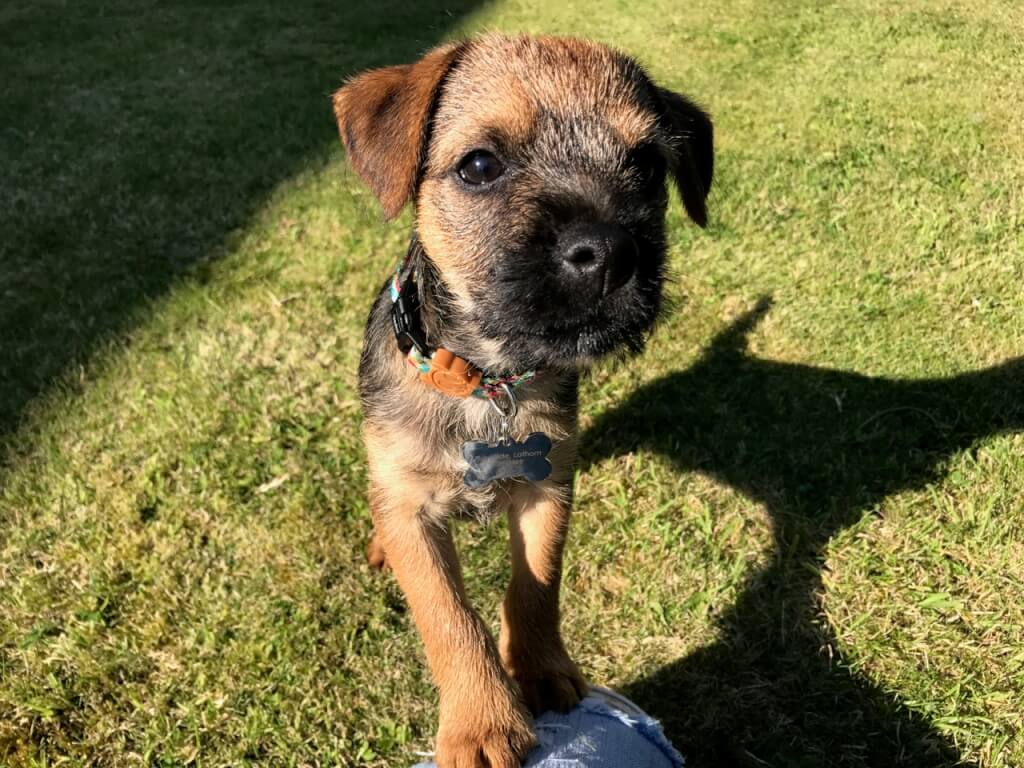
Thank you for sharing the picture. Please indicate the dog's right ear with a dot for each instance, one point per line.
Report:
(690, 134)
(383, 116)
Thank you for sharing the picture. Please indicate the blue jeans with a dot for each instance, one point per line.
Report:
(605, 730)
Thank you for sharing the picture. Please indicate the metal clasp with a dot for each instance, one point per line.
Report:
(507, 415)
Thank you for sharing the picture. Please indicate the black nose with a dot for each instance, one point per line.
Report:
(601, 255)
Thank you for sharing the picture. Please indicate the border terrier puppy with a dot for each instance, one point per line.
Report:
(537, 168)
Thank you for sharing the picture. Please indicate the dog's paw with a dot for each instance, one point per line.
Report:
(555, 684)
(468, 742)
(375, 554)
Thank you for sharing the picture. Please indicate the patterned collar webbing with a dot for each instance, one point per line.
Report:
(489, 387)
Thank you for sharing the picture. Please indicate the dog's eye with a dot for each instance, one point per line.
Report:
(480, 167)
(647, 162)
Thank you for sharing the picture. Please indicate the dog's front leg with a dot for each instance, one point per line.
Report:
(531, 644)
(482, 721)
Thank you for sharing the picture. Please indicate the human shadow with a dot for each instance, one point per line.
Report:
(138, 137)
(819, 449)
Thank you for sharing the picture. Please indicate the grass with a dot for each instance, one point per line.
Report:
(799, 536)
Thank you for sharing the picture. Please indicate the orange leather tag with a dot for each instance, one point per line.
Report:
(451, 375)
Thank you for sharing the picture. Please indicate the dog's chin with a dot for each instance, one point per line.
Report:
(586, 345)
(564, 347)
(564, 336)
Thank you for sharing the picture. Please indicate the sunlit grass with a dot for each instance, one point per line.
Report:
(182, 514)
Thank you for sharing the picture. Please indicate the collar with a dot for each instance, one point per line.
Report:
(439, 368)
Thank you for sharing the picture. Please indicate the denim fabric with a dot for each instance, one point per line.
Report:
(605, 730)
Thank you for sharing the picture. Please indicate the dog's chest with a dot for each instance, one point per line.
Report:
(476, 425)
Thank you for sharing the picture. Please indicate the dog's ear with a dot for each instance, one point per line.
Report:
(689, 134)
(383, 118)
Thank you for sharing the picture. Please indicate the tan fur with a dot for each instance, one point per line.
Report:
(519, 93)
(382, 116)
(415, 464)
(481, 711)
(503, 83)
(416, 486)
(531, 646)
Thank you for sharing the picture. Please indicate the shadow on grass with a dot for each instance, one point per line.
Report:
(818, 448)
(137, 136)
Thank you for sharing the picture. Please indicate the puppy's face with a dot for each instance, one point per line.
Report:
(540, 190)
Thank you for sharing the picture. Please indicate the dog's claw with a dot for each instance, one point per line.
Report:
(556, 690)
(553, 683)
(503, 745)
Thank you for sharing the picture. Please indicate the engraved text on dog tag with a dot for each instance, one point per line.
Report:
(506, 459)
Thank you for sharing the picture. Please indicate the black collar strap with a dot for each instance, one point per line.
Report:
(439, 368)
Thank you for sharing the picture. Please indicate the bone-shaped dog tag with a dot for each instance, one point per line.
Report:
(510, 458)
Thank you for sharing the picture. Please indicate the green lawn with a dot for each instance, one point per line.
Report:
(799, 537)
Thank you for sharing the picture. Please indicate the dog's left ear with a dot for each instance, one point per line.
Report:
(690, 136)
(383, 116)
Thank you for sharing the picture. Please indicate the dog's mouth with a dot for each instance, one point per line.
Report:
(558, 332)
(604, 330)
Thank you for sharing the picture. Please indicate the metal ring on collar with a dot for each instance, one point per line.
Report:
(513, 405)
